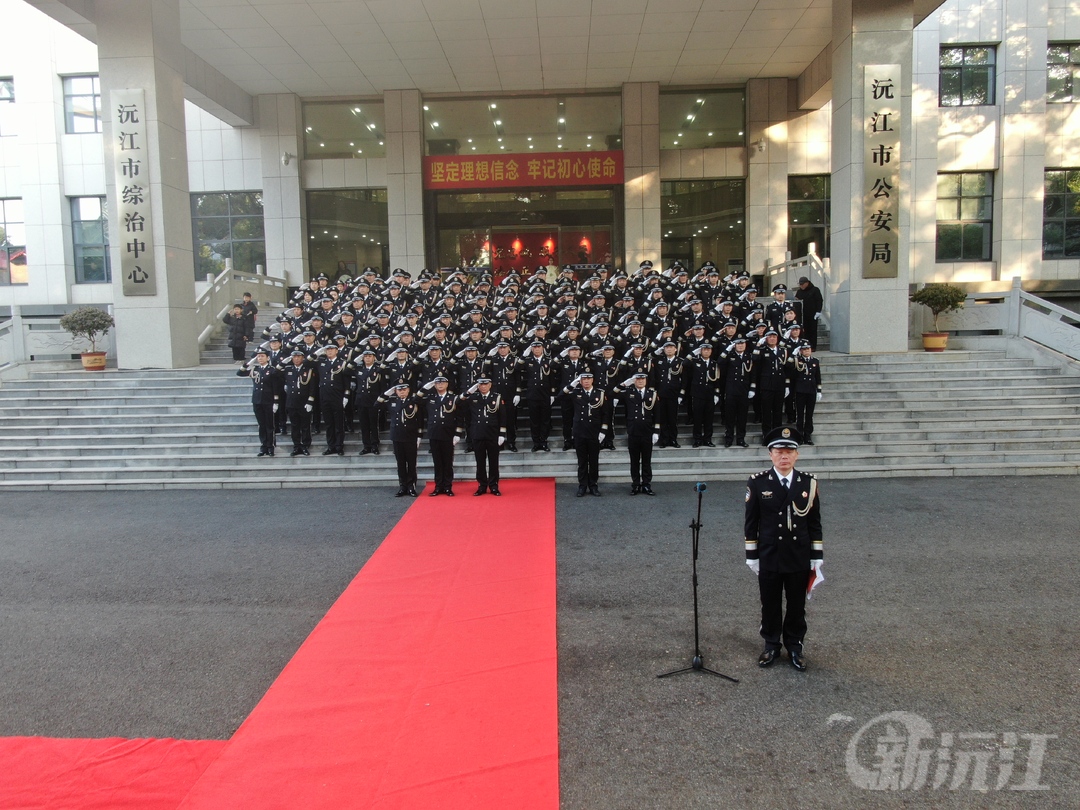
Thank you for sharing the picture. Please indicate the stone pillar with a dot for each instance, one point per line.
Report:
(284, 206)
(868, 314)
(1018, 223)
(766, 173)
(139, 48)
(641, 172)
(404, 178)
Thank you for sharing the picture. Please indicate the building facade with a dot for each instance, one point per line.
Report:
(737, 172)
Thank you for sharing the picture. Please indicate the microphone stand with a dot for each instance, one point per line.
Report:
(697, 664)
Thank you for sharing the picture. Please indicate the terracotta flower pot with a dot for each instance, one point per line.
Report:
(934, 341)
(93, 361)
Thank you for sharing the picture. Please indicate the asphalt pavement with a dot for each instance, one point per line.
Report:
(939, 645)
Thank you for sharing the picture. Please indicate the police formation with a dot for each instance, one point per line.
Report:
(454, 359)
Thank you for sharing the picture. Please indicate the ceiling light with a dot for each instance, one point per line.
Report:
(558, 137)
(493, 106)
(435, 124)
(372, 126)
(498, 122)
(322, 144)
(499, 140)
(690, 118)
(562, 120)
(710, 134)
(676, 143)
(468, 140)
(359, 151)
(589, 137)
(530, 146)
(740, 132)
(426, 108)
(502, 147)
(351, 143)
(356, 109)
(474, 148)
(529, 138)
(326, 231)
(307, 129)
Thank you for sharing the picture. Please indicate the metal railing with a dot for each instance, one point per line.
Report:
(789, 271)
(226, 290)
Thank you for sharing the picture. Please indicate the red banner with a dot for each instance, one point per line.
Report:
(523, 171)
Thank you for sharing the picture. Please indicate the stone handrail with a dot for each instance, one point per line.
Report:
(226, 290)
(7, 343)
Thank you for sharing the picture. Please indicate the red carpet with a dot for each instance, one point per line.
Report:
(110, 774)
(430, 683)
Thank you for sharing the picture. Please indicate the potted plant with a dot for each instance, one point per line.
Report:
(938, 298)
(90, 324)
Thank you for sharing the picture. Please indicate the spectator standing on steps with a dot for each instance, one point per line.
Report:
(236, 334)
(812, 305)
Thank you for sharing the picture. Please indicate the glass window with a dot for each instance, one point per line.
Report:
(82, 104)
(808, 213)
(339, 129)
(90, 238)
(702, 220)
(517, 231)
(1061, 214)
(347, 231)
(1063, 72)
(967, 75)
(701, 120)
(965, 213)
(13, 267)
(7, 106)
(491, 126)
(227, 225)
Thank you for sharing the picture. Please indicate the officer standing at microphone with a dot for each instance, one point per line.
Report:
(783, 540)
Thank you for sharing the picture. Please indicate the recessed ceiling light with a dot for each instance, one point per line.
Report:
(558, 137)
(502, 147)
(435, 124)
(351, 143)
(474, 148)
(498, 122)
(589, 137)
(468, 140)
(740, 132)
(676, 143)
(499, 140)
(529, 138)
(493, 106)
(425, 108)
(562, 120)
(710, 134)
(701, 101)
(359, 151)
(356, 109)
(530, 146)
(307, 129)
(322, 144)
(689, 118)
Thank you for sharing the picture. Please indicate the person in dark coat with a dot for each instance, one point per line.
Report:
(812, 305)
(783, 541)
(300, 387)
(488, 416)
(236, 335)
(405, 415)
(806, 380)
(736, 369)
(249, 311)
(444, 429)
(590, 430)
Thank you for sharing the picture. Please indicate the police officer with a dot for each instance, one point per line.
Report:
(335, 374)
(300, 386)
(703, 388)
(536, 380)
(642, 429)
(783, 541)
(405, 417)
(487, 419)
(444, 429)
(590, 430)
(264, 400)
(806, 382)
(736, 366)
(368, 382)
(770, 381)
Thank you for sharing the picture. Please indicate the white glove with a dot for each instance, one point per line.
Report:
(517, 400)
(787, 393)
(601, 436)
(754, 566)
(716, 400)
(815, 565)
(418, 440)
(502, 441)
(345, 403)
(655, 438)
(309, 407)
(819, 396)
(576, 382)
(553, 400)
(275, 407)
(473, 387)
(388, 392)
(817, 316)
(680, 400)
(456, 440)
(750, 395)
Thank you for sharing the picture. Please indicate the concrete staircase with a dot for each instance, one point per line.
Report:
(958, 413)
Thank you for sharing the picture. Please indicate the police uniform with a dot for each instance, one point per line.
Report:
(487, 420)
(590, 424)
(300, 388)
(368, 382)
(264, 401)
(335, 374)
(783, 541)
(405, 416)
(642, 431)
(443, 426)
(736, 369)
(806, 380)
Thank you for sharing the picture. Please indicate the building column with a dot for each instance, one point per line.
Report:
(284, 206)
(1018, 223)
(766, 173)
(641, 172)
(405, 179)
(139, 49)
(867, 314)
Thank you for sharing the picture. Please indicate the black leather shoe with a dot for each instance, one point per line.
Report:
(375, 451)
(809, 442)
(581, 492)
(708, 444)
(328, 452)
(696, 444)
(341, 452)
(468, 448)
(646, 489)
(306, 452)
(449, 492)
(261, 453)
(742, 443)
(567, 445)
(270, 453)
(480, 491)
(595, 491)
(635, 489)
(797, 660)
(545, 447)
(434, 492)
(511, 447)
(296, 453)
(536, 448)
(365, 451)
(728, 442)
(494, 491)
(400, 493)
(675, 444)
(767, 657)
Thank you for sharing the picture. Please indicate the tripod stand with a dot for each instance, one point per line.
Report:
(697, 664)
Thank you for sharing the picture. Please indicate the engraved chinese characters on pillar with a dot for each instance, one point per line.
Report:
(881, 171)
(133, 215)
